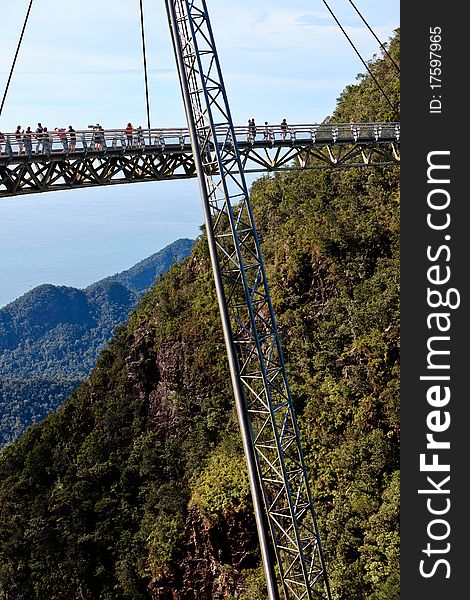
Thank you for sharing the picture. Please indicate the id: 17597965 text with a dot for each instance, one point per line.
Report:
(435, 69)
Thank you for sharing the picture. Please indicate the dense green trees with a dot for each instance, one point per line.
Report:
(136, 488)
(27, 401)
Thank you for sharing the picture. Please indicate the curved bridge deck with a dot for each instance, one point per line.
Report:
(29, 165)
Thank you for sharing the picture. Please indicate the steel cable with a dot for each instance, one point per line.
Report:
(16, 56)
(360, 57)
(144, 53)
(373, 33)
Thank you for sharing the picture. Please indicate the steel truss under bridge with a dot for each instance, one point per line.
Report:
(285, 516)
(110, 157)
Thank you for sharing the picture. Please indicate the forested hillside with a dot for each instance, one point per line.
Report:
(51, 336)
(137, 488)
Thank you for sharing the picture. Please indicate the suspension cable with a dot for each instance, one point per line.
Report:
(359, 55)
(372, 32)
(16, 56)
(144, 53)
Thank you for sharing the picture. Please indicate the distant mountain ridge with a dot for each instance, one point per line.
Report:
(143, 274)
(51, 336)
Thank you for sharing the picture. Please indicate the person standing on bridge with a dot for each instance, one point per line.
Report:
(129, 135)
(73, 138)
(47, 140)
(102, 137)
(284, 129)
(99, 137)
(252, 130)
(39, 131)
(140, 137)
(27, 141)
(2, 141)
(267, 132)
(19, 139)
(62, 137)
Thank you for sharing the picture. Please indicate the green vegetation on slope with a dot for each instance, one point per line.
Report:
(135, 488)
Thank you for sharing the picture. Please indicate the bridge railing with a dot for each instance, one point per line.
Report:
(93, 139)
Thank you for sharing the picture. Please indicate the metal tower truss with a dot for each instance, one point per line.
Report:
(278, 477)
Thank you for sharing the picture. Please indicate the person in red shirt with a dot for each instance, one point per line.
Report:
(129, 135)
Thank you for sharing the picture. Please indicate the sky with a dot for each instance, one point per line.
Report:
(81, 63)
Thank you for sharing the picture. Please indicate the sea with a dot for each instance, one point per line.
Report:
(77, 237)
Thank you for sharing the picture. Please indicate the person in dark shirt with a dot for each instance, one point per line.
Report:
(73, 138)
(284, 129)
(28, 141)
(39, 130)
(252, 130)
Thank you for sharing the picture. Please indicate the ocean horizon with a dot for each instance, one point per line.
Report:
(77, 237)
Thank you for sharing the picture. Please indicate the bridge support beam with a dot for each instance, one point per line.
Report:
(282, 499)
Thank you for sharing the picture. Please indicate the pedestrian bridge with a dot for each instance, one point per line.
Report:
(55, 161)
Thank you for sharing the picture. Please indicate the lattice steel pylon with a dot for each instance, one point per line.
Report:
(284, 511)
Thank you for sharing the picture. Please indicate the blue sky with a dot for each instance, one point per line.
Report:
(81, 63)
